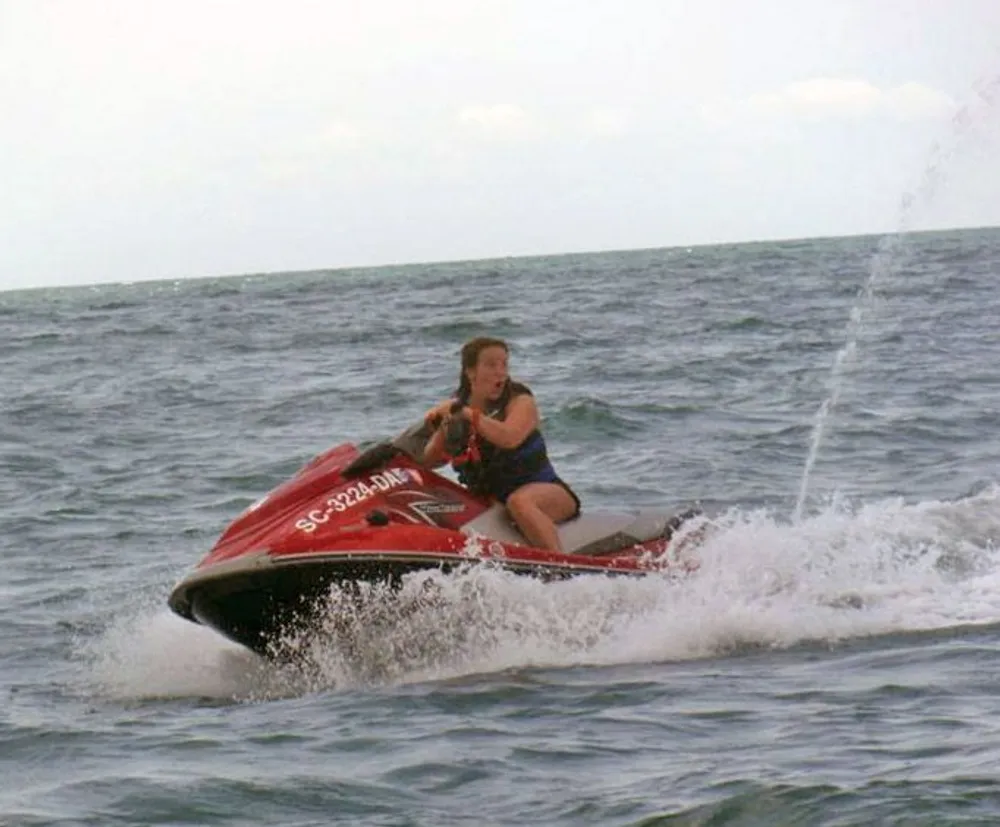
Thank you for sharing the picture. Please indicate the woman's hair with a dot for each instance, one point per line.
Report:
(470, 358)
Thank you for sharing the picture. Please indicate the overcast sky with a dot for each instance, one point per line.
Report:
(145, 139)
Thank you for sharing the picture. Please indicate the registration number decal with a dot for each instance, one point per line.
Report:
(351, 496)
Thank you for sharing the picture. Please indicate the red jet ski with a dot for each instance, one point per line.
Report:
(378, 515)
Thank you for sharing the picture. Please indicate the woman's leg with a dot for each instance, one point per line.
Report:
(537, 507)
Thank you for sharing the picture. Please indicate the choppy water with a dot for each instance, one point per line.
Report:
(840, 669)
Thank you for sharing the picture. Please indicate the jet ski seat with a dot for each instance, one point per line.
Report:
(592, 533)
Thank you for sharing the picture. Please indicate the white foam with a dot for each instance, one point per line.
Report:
(880, 568)
(147, 652)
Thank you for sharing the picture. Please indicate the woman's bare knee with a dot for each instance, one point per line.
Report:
(551, 499)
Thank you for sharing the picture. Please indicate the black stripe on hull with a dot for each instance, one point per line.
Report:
(255, 607)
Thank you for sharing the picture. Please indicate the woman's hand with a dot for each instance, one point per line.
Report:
(473, 415)
(439, 414)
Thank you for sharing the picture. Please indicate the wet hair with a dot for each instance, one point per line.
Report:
(470, 358)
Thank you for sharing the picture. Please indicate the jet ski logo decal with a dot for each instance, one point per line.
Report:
(437, 507)
(436, 512)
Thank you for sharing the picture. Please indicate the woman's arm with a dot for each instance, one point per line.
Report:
(434, 449)
(439, 411)
(437, 418)
(522, 418)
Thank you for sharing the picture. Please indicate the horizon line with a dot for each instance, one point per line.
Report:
(501, 257)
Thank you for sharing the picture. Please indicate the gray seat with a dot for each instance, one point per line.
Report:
(592, 533)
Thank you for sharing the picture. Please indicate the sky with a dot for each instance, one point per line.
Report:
(147, 140)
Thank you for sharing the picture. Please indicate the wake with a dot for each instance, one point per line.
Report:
(848, 572)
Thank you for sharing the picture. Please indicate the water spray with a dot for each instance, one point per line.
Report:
(885, 260)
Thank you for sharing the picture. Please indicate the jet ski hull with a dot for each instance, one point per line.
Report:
(352, 517)
(256, 605)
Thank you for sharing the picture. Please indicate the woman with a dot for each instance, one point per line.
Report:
(505, 457)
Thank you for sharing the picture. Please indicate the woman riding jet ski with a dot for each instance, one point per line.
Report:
(381, 514)
(501, 453)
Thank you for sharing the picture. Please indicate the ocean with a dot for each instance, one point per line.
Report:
(832, 404)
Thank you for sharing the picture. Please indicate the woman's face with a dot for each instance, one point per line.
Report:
(489, 376)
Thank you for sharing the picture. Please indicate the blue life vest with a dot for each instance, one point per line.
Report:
(499, 472)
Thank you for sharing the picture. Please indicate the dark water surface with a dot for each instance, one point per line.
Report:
(838, 669)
